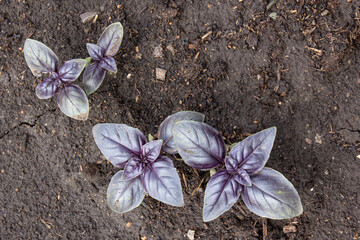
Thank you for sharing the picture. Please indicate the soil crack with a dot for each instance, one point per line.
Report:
(31, 124)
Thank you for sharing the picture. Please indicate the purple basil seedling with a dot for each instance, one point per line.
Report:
(145, 169)
(102, 53)
(265, 191)
(72, 100)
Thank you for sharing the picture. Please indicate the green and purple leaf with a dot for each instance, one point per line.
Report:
(124, 195)
(166, 127)
(73, 102)
(161, 180)
(199, 145)
(118, 142)
(93, 76)
(111, 38)
(221, 193)
(95, 52)
(252, 153)
(40, 58)
(48, 88)
(151, 150)
(272, 196)
(71, 69)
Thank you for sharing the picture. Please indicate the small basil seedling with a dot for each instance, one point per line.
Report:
(72, 100)
(102, 53)
(265, 191)
(145, 168)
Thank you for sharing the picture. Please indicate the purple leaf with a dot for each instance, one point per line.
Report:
(111, 38)
(221, 193)
(162, 182)
(109, 64)
(118, 142)
(166, 127)
(124, 195)
(93, 76)
(73, 102)
(40, 58)
(133, 168)
(272, 196)
(95, 52)
(151, 150)
(200, 145)
(48, 88)
(240, 175)
(71, 70)
(252, 153)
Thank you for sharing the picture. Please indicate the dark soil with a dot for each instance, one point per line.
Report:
(227, 59)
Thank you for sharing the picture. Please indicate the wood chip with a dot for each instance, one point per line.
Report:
(206, 35)
(160, 74)
(289, 229)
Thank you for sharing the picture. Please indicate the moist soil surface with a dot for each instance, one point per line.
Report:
(294, 66)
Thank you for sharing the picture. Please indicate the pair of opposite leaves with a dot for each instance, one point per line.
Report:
(72, 100)
(265, 191)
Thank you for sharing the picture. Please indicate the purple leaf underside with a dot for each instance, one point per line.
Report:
(95, 52)
(71, 69)
(47, 88)
(73, 102)
(40, 58)
(118, 142)
(93, 76)
(124, 195)
(166, 127)
(111, 38)
(252, 153)
(200, 145)
(151, 150)
(221, 193)
(109, 64)
(162, 182)
(272, 196)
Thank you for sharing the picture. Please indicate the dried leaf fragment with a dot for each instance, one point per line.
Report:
(86, 17)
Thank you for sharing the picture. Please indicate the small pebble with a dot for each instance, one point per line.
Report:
(191, 234)
(160, 74)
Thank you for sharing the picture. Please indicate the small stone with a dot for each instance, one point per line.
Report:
(138, 56)
(171, 49)
(308, 141)
(325, 12)
(191, 234)
(160, 74)
(318, 139)
(158, 51)
(128, 224)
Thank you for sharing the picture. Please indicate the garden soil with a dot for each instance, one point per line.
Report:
(294, 65)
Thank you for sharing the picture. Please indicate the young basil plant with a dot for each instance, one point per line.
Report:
(265, 191)
(146, 170)
(102, 53)
(72, 100)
